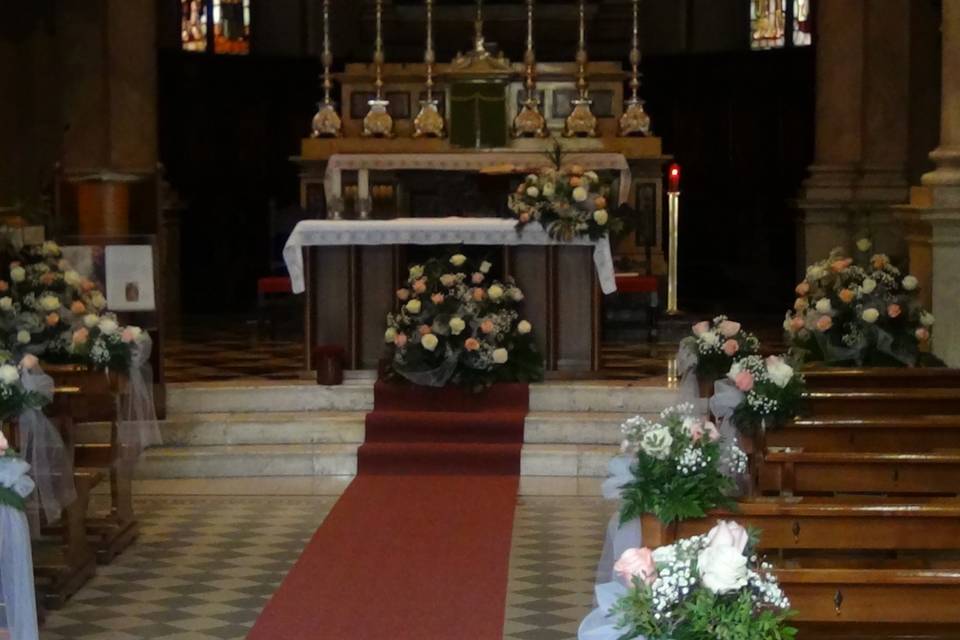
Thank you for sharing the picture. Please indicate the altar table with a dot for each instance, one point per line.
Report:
(351, 282)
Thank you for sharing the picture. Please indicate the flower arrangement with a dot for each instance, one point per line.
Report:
(14, 398)
(568, 202)
(707, 586)
(456, 324)
(862, 311)
(15, 484)
(772, 392)
(716, 344)
(682, 468)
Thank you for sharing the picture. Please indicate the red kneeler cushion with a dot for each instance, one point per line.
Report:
(274, 284)
(636, 284)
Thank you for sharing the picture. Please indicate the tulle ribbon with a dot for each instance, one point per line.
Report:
(16, 560)
(687, 372)
(436, 377)
(882, 340)
(44, 451)
(601, 624)
(137, 426)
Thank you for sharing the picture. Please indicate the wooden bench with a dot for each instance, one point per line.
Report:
(876, 402)
(914, 433)
(881, 378)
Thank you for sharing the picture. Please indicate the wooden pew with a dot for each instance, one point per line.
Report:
(828, 378)
(915, 433)
(882, 402)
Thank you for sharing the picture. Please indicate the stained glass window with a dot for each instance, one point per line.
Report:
(220, 26)
(775, 24)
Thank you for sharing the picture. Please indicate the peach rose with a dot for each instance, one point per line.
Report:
(922, 334)
(424, 329)
(841, 265)
(575, 169)
(796, 323)
(471, 344)
(436, 298)
(729, 328)
(744, 381)
(476, 278)
(48, 278)
(420, 286)
(87, 285)
(730, 347)
(403, 294)
(636, 563)
(487, 326)
(77, 308)
(801, 304)
(600, 202)
(400, 340)
(53, 319)
(879, 261)
(524, 217)
(80, 336)
(29, 361)
(802, 289)
(824, 323)
(700, 328)
(4, 285)
(478, 294)
(575, 181)
(893, 310)
(847, 295)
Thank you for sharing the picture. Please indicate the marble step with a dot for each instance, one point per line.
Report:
(576, 460)
(601, 396)
(249, 461)
(573, 427)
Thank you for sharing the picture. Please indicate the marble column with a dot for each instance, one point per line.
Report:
(942, 216)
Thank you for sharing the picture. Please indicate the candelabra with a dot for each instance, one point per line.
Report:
(635, 121)
(530, 122)
(429, 122)
(581, 122)
(326, 122)
(378, 122)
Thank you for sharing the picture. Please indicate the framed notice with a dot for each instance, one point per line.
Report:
(129, 277)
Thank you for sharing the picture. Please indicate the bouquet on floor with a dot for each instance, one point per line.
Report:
(860, 311)
(707, 586)
(771, 389)
(457, 325)
(714, 346)
(682, 469)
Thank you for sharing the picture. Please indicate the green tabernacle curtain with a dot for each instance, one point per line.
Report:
(478, 114)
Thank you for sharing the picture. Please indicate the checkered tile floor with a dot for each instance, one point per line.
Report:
(204, 567)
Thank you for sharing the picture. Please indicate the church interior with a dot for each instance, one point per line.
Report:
(480, 319)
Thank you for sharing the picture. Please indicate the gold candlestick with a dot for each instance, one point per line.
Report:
(635, 121)
(673, 201)
(581, 122)
(530, 122)
(377, 122)
(429, 122)
(326, 122)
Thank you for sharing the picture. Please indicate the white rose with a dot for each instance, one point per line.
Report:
(50, 248)
(524, 327)
(72, 278)
(910, 283)
(735, 370)
(516, 294)
(500, 355)
(23, 336)
(600, 216)
(548, 190)
(390, 335)
(870, 315)
(495, 292)
(457, 325)
(722, 569)
(17, 274)
(6, 303)
(485, 267)
(823, 305)
(579, 194)
(416, 271)
(710, 338)
(864, 244)
(458, 259)
(9, 374)
(413, 306)
(591, 176)
(869, 284)
(532, 178)
(429, 342)
(926, 319)
(108, 326)
(533, 192)
(91, 320)
(656, 443)
(50, 303)
(729, 534)
(448, 280)
(97, 300)
(815, 272)
(779, 371)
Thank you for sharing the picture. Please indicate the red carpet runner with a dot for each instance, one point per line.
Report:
(418, 545)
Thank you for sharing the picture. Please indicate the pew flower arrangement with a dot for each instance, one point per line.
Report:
(707, 586)
(14, 398)
(715, 345)
(772, 392)
(682, 467)
(457, 324)
(859, 310)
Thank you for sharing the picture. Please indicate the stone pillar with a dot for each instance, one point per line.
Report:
(943, 214)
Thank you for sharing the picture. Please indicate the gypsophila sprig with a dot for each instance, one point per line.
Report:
(772, 392)
(716, 344)
(682, 469)
(700, 588)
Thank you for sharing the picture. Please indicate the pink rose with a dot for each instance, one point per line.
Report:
(803, 289)
(471, 344)
(730, 347)
(128, 335)
(728, 534)
(479, 294)
(420, 285)
(400, 340)
(4, 285)
(841, 265)
(524, 218)
(824, 323)
(80, 335)
(700, 328)
(695, 430)
(29, 361)
(796, 323)
(893, 310)
(712, 432)
(436, 298)
(729, 328)
(476, 278)
(487, 326)
(922, 334)
(744, 381)
(403, 294)
(636, 563)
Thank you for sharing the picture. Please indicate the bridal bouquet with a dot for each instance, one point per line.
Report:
(861, 311)
(682, 467)
(716, 344)
(457, 325)
(568, 202)
(704, 587)
(772, 391)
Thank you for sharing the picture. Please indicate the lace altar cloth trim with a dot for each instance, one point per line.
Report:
(429, 231)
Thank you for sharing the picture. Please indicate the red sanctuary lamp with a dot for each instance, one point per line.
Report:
(673, 200)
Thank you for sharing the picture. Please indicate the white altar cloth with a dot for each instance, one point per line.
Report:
(427, 231)
(465, 161)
